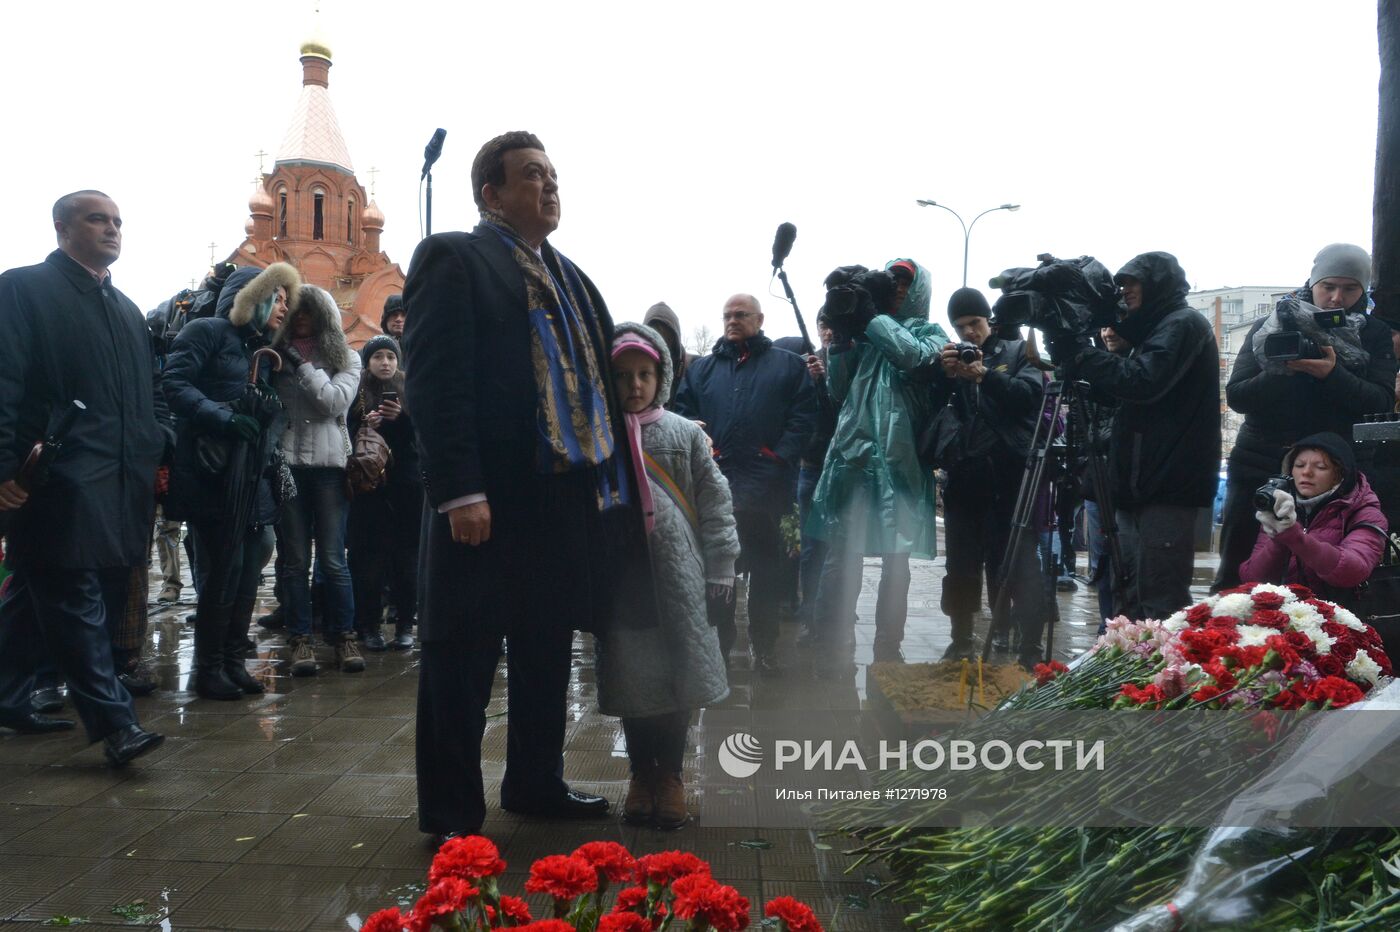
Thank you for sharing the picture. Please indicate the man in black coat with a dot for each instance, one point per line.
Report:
(522, 534)
(71, 335)
(1165, 452)
(759, 407)
(1282, 402)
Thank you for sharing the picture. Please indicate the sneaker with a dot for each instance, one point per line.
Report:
(348, 656)
(169, 595)
(303, 656)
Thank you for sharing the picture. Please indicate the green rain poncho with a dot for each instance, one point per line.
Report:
(872, 484)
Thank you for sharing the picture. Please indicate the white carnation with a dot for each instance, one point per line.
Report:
(1343, 617)
(1175, 622)
(1363, 669)
(1254, 635)
(1301, 613)
(1236, 605)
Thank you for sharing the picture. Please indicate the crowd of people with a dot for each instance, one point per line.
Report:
(504, 429)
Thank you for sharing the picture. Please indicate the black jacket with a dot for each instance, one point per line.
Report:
(1166, 433)
(470, 382)
(814, 454)
(760, 409)
(1278, 409)
(66, 337)
(998, 416)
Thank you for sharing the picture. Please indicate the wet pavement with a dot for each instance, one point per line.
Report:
(295, 810)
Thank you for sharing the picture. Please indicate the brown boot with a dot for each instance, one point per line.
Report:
(640, 803)
(670, 811)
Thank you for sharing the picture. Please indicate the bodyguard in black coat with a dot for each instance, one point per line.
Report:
(70, 334)
(514, 542)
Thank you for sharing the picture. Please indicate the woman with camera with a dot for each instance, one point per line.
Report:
(1324, 528)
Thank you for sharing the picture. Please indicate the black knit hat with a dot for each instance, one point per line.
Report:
(392, 305)
(968, 302)
(378, 342)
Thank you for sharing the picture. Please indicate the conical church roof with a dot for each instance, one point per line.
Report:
(313, 137)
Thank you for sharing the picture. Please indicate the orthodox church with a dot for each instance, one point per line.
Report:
(311, 211)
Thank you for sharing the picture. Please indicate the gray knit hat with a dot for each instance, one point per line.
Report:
(1342, 260)
(378, 342)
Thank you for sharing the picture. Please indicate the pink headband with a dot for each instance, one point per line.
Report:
(631, 341)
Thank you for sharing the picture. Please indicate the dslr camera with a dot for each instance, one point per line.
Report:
(1264, 495)
(854, 295)
(967, 353)
(1074, 296)
(1290, 342)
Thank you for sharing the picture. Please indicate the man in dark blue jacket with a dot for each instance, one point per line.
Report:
(759, 408)
(71, 335)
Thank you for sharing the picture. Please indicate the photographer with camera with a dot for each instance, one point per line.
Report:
(1166, 433)
(1318, 363)
(874, 498)
(1322, 526)
(994, 394)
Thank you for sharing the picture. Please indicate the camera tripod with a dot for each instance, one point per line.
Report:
(1080, 427)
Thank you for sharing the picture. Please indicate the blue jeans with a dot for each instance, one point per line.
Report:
(1099, 570)
(317, 513)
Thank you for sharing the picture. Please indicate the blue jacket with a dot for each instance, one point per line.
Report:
(760, 409)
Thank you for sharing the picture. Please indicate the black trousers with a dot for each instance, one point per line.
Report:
(656, 742)
(382, 541)
(1238, 532)
(454, 687)
(71, 614)
(760, 548)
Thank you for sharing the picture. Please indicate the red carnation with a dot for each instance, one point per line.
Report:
(1206, 693)
(609, 858)
(1200, 646)
(1244, 589)
(470, 857)
(1334, 689)
(386, 920)
(795, 915)
(1270, 618)
(1289, 700)
(1223, 677)
(1151, 695)
(445, 897)
(1198, 614)
(1335, 629)
(1245, 658)
(1045, 672)
(1298, 640)
(630, 898)
(1381, 658)
(1330, 665)
(1267, 600)
(1301, 593)
(700, 898)
(548, 925)
(624, 922)
(1222, 623)
(515, 909)
(666, 866)
(562, 876)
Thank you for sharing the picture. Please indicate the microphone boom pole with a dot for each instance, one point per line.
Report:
(431, 153)
(782, 245)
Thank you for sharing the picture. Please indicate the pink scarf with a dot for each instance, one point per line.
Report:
(634, 442)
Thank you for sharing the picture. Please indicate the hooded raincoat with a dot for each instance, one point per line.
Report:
(872, 477)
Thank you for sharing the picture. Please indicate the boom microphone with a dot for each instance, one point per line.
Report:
(782, 244)
(433, 150)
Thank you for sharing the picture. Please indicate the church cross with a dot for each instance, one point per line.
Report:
(372, 172)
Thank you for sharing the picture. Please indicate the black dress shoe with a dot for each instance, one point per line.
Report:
(402, 641)
(572, 805)
(374, 640)
(48, 699)
(32, 723)
(439, 839)
(137, 682)
(126, 744)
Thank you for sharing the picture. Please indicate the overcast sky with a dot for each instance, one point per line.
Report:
(1238, 135)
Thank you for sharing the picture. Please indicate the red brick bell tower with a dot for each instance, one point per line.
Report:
(312, 212)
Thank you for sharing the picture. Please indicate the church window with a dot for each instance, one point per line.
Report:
(350, 222)
(318, 215)
(282, 212)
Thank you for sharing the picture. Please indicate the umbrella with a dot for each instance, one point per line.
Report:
(244, 471)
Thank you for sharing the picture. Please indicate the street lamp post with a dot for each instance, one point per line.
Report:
(967, 227)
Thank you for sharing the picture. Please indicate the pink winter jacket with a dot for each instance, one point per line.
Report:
(1334, 550)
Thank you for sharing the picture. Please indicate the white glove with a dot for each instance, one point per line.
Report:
(1283, 517)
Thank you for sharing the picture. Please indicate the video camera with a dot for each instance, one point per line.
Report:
(1059, 296)
(854, 295)
(1290, 342)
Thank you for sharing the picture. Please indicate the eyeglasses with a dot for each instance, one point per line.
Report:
(737, 315)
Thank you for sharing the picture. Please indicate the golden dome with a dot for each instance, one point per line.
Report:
(260, 202)
(316, 48)
(373, 218)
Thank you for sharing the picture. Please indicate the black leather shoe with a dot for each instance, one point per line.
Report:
(48, 699)
(137, 682)
(766, 665)
(441, 838)
(572, 805)
(273, 620)
(374, 641)
(32, 723)
(126, 744)
(402, 641)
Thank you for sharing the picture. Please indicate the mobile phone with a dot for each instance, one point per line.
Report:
(390, 396)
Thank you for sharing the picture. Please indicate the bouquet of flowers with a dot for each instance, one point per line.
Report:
(667, 890)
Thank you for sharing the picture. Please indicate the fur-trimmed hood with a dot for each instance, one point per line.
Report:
(658, 343)
(246, 288)
(332, 350)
